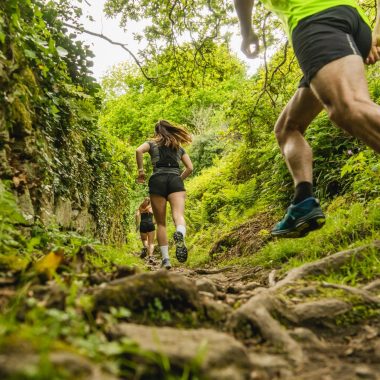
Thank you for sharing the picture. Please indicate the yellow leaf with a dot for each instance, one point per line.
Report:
(49, 263)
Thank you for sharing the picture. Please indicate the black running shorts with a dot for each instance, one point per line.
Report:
(147, 227)
(329, 35)
(164, 184)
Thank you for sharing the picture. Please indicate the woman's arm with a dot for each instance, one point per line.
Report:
(250, 43)
(188, 166)
(143, 148)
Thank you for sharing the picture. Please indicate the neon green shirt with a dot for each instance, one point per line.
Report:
(291, 12)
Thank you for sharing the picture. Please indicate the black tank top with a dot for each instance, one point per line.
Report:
(146, 218)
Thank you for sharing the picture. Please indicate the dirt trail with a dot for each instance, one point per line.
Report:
(289, 326)
(229, 323)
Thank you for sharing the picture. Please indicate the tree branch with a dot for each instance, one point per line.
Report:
(123, 46)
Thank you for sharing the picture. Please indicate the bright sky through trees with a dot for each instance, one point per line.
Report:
(107, 55)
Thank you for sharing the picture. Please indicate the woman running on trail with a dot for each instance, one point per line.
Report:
(144, 219)
(166, 183)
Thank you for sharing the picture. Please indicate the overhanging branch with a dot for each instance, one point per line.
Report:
(123, 46)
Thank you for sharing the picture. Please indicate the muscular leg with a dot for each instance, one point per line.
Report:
(342, 88)
(289, 130)
(159, 211)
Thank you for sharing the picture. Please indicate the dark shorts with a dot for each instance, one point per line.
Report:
(165, 184)
(329, 35)
(147, 227)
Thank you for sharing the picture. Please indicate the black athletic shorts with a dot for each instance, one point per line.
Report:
(147, 227)
(329, 35)
(164, 184)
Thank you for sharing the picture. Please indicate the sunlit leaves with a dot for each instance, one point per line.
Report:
(171, 23)
(135, 104)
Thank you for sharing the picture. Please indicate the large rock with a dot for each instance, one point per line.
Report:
(172, 291)
(214, 355)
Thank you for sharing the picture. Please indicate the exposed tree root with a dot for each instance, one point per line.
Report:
(363, 294)
(321, 309)
(373, 286)
(265, 309)
(272, 278)
(251, 274)
(325, 265)
(213, 271)
(257, 311)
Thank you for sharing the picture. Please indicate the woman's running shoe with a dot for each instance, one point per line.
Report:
(166, 264)
(180, 250)
(144, 253)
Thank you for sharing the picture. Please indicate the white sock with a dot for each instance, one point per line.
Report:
(164, 251)
(181, 228)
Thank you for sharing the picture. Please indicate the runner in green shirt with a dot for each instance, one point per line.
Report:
(331, 40)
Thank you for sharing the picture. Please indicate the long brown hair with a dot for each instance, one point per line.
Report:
(145, 205)
(170, 135)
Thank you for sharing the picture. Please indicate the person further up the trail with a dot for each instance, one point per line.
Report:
(332, 40)
(166, 183)
(145, 223)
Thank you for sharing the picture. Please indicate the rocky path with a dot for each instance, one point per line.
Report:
(226, 324)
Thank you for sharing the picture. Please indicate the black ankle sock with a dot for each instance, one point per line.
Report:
(303, 190)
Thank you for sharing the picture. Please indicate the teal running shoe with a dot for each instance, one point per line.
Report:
(300, 219)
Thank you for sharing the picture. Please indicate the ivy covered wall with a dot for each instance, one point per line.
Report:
(53, 156)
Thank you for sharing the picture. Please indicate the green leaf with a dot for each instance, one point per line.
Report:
(30, 53)
(62, 52)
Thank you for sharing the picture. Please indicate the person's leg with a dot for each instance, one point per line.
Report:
(144, 239)
(159, 211)
(304, 215)
(177, 205)
(342, 88)
(150, 243)
(289, 130)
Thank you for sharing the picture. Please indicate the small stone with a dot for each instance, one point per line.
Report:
(221, 295)
(251, 286)
(363, 371)
(207, 294)
(206, 285)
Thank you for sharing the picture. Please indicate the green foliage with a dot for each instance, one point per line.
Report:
(205, 150)
(172, 22)
(11, 240)
(185, 99)
(363, 169)
(359, 313)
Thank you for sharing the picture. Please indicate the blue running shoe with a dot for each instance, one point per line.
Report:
(300, 219)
